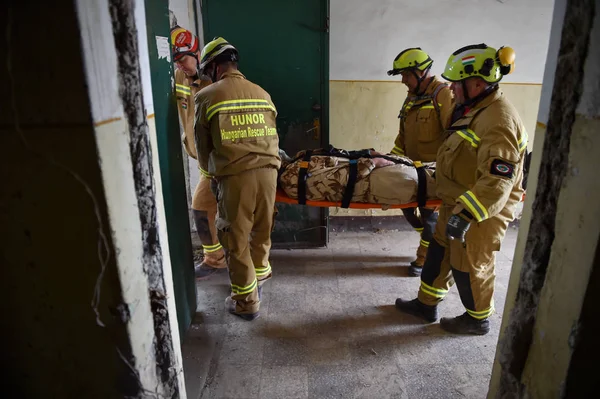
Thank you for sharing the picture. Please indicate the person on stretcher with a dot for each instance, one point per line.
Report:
(363, 176)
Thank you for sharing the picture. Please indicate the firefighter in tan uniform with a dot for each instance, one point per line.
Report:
(237, 143)
(478, 176)
(204, 203)
(423, 120)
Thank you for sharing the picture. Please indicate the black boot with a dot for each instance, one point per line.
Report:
(415, 270)
(465, 324)
(418, 309)
(204, 271)
(230, 305)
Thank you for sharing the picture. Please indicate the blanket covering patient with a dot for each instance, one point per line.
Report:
(380, 179)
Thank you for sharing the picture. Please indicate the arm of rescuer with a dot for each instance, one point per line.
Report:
(186, 146)
(189, 147)
(399, 142)
(445, 102)
(499, 156)
(202, 135)
(445, 107)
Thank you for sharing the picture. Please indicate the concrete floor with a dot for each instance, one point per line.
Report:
(329, 329)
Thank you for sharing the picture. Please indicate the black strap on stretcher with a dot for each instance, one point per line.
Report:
(352, 175)
(421, 184)
(302, 176)
(353, 157)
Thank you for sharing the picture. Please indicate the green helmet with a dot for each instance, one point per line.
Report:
(213, 49)
(481, 61)
(411, 58)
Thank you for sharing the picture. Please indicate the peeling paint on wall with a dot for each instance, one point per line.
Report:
(163, 47)
(515, 346)
(130, 89)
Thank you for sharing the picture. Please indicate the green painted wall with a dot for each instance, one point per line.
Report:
(171, 166)
(284, 48)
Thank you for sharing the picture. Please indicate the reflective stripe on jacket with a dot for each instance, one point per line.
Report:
(480, 165)
(235, 127)
(185, 89)
(423, 123)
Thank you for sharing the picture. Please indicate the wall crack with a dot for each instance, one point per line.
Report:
(567, 91)
(130, 90)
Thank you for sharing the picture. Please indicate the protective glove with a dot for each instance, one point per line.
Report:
(457, 226)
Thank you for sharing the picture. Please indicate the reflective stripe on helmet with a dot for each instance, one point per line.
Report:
(411, 58)
(214, 49)
(183, 43)
(479, 60)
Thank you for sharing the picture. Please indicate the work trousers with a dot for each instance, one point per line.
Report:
(246, 204)
(205, 200)
(424, 224)
(470, 264)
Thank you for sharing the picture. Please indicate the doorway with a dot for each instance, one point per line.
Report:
(284, 48)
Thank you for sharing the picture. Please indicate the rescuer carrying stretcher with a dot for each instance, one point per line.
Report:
(237, 144)
(424, 118)
(479, 179)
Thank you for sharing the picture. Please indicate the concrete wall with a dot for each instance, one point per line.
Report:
(367, 36)
(559, 237)
(76, 315)
(123, 116)
(184, 12)
(551, 61)
(540, 131)
(558, 323)
(360, 58)
(52, 253)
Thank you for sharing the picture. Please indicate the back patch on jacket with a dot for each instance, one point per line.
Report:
(245, 126)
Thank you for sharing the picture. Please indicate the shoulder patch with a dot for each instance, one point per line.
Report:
(502, 168)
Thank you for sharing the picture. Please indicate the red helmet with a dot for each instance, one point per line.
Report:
(184, 43)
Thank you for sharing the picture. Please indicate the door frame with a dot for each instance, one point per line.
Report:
(325, 104)
(324, 123)
(170, 155)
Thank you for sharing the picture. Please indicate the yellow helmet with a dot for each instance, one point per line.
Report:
(481, 61)
(411, 58)
(215, 48)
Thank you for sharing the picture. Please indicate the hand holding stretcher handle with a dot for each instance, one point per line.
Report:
(458, 224)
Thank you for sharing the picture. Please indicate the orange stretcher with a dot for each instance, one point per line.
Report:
(281, 196)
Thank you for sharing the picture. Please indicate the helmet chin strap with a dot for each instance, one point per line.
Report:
(214, 74)
(420, 80)
(470, 101)
(465, 92)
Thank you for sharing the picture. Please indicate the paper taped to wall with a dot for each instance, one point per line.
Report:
(163, 47)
